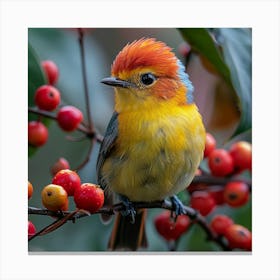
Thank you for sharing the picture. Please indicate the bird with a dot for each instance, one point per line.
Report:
(154, 141)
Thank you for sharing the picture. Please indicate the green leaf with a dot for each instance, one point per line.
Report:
(237, 49)
(36, 78)
(234, 65)
(201, 41)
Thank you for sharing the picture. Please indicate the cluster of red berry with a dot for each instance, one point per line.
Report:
(48, 98)
(237, 236)
(204, 198)
(55, 196)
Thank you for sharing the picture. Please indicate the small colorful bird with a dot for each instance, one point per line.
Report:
(155, 139)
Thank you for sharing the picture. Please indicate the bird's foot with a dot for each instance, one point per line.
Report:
(178, 206)
(129, 209)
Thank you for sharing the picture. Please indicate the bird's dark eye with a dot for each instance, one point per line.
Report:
(147, 79)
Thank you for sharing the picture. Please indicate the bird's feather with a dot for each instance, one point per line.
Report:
(106, 147)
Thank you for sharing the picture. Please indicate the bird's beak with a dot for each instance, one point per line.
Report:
(115, 82)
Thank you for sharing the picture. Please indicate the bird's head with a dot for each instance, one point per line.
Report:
(147, 71)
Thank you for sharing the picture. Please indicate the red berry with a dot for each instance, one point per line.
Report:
(241, 153)
(220, 223)
(203, 202)
(220, 162)
(210, 144)
(217, 192)
(67, 179)
(60, 164)
(31, 229)
(236, 193)
(169, 229)
(51, 71)
(89, 197)
(47, 97)
(239, 237)
(37, 133)
(69, 118)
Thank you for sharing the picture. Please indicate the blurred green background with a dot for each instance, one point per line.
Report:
(220, 101)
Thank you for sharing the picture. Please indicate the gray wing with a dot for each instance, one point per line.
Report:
(106, 147)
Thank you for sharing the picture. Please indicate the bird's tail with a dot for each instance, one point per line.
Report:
(128, 236)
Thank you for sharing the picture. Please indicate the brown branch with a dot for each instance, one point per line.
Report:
(49, 115)
(192, 213)
(42, 113)
(86, 160)
(90, 134)
(41, 231)
(211, 180)
(55, 225)
(84, 74)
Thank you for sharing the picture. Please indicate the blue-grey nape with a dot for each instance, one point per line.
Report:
(185, 79)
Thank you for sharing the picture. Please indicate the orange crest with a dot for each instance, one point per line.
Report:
(146, 53)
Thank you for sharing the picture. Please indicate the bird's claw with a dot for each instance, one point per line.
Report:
(179, 207)
(129, 209)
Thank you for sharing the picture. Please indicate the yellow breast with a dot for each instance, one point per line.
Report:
(157, 152)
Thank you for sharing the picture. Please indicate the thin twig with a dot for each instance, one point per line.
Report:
(49, 115)
(99, 138)
(40, 231)
(211, 180)
(82, 49)
(42, 113)
(76, 139)
(86, 160)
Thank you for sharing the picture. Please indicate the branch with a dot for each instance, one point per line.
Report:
(210, 180)
(82, 49)
(77, 214)
(86, 160)
(55, 225)
(90, 134)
